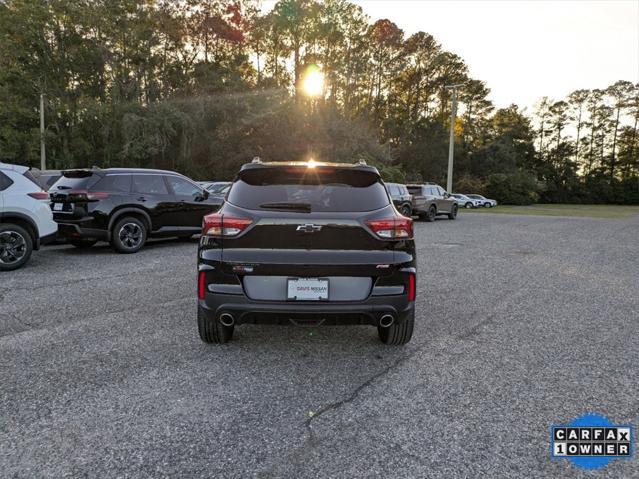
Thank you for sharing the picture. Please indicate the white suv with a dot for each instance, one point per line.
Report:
(26, 220)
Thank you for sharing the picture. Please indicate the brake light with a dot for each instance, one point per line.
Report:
(411, 287)
(221, 225)
(201, 285)
(399, 227)
(39, 195)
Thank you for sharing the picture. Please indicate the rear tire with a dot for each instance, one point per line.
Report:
(16, 246)
(406, 211)
(128, 235)
(468, 205)
(211, 330)
(432, 213)
(82, 242)
(453, 213)
(398, 333)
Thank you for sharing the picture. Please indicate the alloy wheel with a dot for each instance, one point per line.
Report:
(130, 235)
(13, 247)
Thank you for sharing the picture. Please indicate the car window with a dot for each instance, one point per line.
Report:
(114, 184)
(5, 181)
(329, 189)
(75, 180)
(441, 191)
(149, 184)
(415, 190)
(182, 187)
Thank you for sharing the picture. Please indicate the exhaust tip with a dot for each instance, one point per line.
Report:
(386, 321)
(227, 319)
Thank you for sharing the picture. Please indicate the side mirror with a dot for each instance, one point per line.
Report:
(201, 196)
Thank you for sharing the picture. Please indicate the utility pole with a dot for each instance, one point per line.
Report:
(451, 145)
(43, 153)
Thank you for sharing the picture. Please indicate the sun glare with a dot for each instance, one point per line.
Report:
(313, 82)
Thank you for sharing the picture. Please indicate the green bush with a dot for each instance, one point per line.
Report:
(518, 188)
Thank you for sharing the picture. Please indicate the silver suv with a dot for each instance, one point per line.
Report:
(431, 200)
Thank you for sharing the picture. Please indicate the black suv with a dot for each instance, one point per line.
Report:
(402, 199)
(125, 206)
(307, 244)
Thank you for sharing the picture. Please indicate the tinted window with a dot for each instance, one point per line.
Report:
(149, 184)
(113, 184)
(415, 190)
(182, 187)
(75, 180)
(27, 174)
(321, 189)
(5, 181)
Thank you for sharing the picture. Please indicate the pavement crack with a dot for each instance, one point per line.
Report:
(355, 393)
(311, 440)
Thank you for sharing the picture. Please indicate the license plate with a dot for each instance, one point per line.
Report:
(58, 206)
(307, 289)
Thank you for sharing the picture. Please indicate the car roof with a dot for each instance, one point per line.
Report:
(106, 171)
(256, 165)
(421, 184)
(17, 168)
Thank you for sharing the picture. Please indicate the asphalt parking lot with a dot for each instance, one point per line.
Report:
(522, 322)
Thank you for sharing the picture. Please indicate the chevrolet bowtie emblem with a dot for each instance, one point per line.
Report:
(308, 228)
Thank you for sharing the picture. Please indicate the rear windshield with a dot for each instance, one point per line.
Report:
(75, 180)
(310, 190)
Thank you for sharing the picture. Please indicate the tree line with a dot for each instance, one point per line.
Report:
(201, 86)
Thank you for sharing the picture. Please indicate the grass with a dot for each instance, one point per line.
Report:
(589, 211)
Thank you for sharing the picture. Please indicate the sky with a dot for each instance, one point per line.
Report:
(526, 49)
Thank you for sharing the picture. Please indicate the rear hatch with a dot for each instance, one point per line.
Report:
(309, 222)
(72, 192)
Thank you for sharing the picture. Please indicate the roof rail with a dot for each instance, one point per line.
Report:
(256, 159)
(362, 162)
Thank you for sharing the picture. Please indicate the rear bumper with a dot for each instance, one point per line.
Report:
(72, 230)
(245, 310)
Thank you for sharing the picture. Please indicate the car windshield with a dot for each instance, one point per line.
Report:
(218, 187)
(75, 180)
(304, 190)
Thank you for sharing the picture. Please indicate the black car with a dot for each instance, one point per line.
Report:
(307, 244)
(402, 199)
(125, 206)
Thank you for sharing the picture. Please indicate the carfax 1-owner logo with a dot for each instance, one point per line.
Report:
(591, 441)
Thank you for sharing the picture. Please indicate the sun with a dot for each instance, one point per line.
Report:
(313, 82)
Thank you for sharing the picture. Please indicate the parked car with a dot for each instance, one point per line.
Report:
(465, 202)
(483, 201)
(402, 199)
(431, 200)
(219, 188)
(307, 243)
(46, 178)
(26, 221)
(204, 184)
(125, 206)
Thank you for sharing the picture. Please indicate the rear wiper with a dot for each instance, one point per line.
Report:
(306, 207)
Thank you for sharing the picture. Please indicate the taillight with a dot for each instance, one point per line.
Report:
(411, 287)
(201, 285)
(84, 195)
(399, 227)
(222, 225)
(39, 195)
